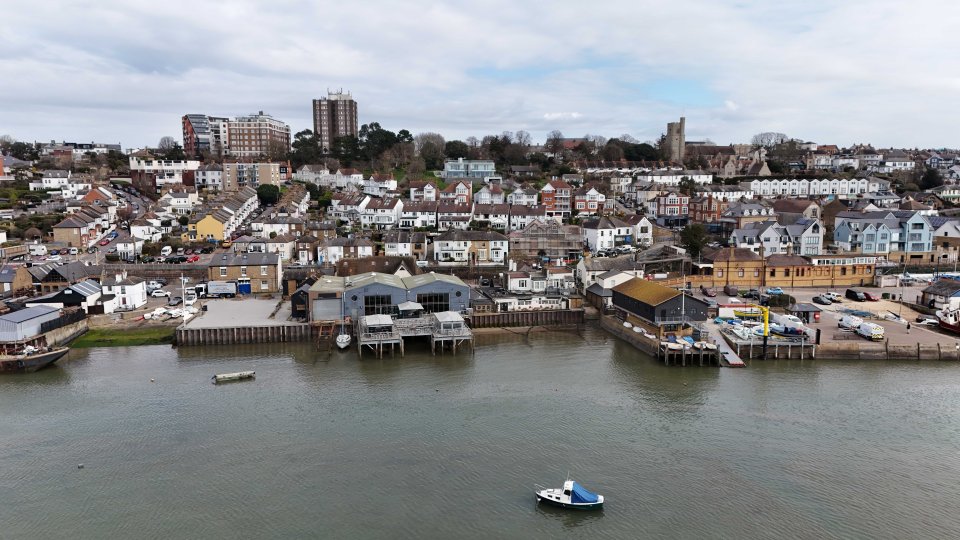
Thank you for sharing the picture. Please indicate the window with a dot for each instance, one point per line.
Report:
(740, 272)
(223, 271)
(378, 305)
(243, 271)
(434, 302)
(263, 270)
(264, 284)
(773, 273)
(756, 273)
(720, 272)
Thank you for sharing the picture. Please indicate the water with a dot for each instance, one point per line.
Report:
(449, 447)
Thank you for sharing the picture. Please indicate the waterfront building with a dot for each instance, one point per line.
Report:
(657, 308)
(129, 292)
(334, 116)
(255, 273)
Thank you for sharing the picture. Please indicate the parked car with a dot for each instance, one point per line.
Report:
(188, 251)
(834, 297)
(112, 250)
(104, 242)
(856, 295)
(92, 249)
(190, 300)
(822, 300)
(708, 292)
(74, 251)
(175, 301)
(159, 292)
(193, 258)
(54, 258)
(775, 291)
(752, 293)
(871, 297)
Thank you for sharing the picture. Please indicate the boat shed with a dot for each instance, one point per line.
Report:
(25, 323)
(85, 294)
(438, 292)
(376, 293)
(658, 307)
(944, 294)
(324, 299)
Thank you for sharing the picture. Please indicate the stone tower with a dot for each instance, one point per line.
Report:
(676, 140)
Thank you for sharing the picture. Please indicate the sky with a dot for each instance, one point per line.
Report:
(857, 71)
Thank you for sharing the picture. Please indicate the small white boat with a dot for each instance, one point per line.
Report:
(627, 324)
(238, 376)
(343, 341)
(637, 329)
(572, 495)
(672, 346)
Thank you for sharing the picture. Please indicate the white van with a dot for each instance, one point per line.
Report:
(166, 251)
(850, 322)
(37, 250)
(871, 331)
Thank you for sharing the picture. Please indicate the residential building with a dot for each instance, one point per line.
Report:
(672, 177)
(458, 192)
(257, 135)
(150, 175)
(606, 233)
(255, 273)
(489, 194)
(471, 247)
(843, 188)
(422, 191)
(205, 135)
(454, 216)
(557, 197)
(332, 250)
(85, 294)
(209, 176)
(546, 238)
(587, 200)
(238, 175)
(493, 216)
(522, 215)
(334, 116)
(803, 237)
(130, 292)
(419, 215)
(219, 219)
(706, 209)
(883, 232)
(381, 214)
(523, 196)
(466, 168)
(589, 269)
(405, 244)
(671, 209)
(347, 207)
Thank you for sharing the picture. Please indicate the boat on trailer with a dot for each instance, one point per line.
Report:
(229, 377)
(572, 495)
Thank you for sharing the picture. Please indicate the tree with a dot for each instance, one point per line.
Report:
(416, 168)
(183, 220)
(430, 146)
(554, 144)
(931, 178)
(346, 150)
(306, 148)
(276, 150)
(693, 238)
(687, 186)
(456, 149)
(404, 136)
(612, 151)
(522, 138)
(24, 151)
(268, 194)
(768, 139)
(166, 143)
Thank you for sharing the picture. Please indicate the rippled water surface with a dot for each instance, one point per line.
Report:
(450, 446)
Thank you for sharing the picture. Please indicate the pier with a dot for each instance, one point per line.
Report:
(383, 333)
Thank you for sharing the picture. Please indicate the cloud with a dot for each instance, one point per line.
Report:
(833, 72)
(561, 115)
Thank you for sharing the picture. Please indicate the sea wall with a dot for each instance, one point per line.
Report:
(615, 327)
(238, 335)
(527, 318)
(885, 351)
(66, 333)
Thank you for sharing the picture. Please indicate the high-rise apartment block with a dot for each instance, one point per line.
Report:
(334, 116)
(241, 137)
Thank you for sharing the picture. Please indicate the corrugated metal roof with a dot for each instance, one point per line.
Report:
(27, 313)
(648, 292)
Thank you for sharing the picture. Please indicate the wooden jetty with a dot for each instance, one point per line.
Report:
(777, 346)
(382, 333)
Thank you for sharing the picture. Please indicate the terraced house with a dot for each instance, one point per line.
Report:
(255, 273)
(884, 232)
(457, 247)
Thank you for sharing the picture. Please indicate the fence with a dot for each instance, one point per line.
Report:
(69, 317)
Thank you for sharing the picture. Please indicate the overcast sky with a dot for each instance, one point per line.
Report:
(879, 71)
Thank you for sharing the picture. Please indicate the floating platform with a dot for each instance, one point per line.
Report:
(230, 377)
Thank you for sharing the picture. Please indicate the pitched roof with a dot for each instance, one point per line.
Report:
(943, 287)
(648, 292)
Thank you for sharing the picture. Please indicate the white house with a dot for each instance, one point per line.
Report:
(418, 215)
(332, 250)
(523, 196)
(379, 184)
(471, 247)
(522, 215)
(673, 177)
(494, 216)
(423, 191)
(489, 194)
(130, 292)
(179, 202)
(606, 232)
(381, 213)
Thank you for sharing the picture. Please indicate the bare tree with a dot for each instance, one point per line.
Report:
(472, 142)
(507, 137)
(522, 138)
(430, 146)
(166, 143)
(768, 139)
(421, 139)
(554, 144)
(416, 168)
(627, 138)
(598, 140)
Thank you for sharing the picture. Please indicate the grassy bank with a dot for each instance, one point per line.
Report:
(126, 337)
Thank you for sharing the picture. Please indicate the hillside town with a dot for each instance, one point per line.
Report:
(343, 222)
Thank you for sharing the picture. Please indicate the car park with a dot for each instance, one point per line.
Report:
(752, 293)
(856, 295)
(54, 258)
(871, 297)
(833, 297)
(159, 292)
(190, 300)
(74, 251)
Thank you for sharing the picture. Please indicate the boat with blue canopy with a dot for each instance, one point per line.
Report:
(572, 495)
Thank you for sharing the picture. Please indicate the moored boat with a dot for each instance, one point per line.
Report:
(238, 376)
(572, 495)
(949, 319)
(343, 341)
(30, 359)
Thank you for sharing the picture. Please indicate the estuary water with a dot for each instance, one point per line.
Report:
(326, 445)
